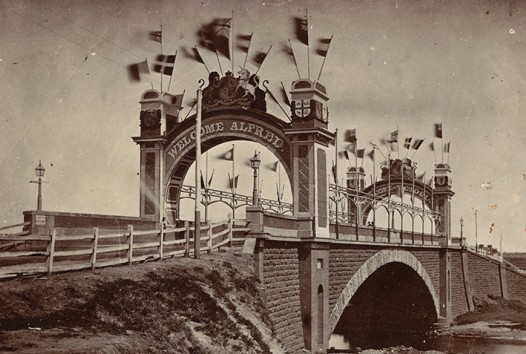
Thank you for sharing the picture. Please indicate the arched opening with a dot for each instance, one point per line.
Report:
(393, 306)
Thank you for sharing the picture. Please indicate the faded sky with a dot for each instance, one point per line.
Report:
(66, 97)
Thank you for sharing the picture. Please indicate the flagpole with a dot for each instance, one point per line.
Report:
(434, 151)
(206, 187)
(149, 75)
(325, 57)
(442, 142)
(389, 198)
(161, 42)
(308, 46)
(274, 98)
(173, 69)
(233, 185)
(197, 220)
(397, 142)
(337, 192)
(248, 50)
(231, 46)
(269, 48)
(448, 149)
(294, 57)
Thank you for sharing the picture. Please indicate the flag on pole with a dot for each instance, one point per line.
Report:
(432, 146)
(420, 178)
(221, 34)
(491, 227)
(394, 136)
(244, 42)
(350, 136)
(229, 155)
(138, 72)
(203, 184)
(156, 36)
(417, 143)
(407, 143)
(165, 64)
(197, 55)
(360, 153)
(302, 29)
(371, 154)
(211, 177)
(334, 172)
(324, 45)
(438, 130)
(446, 147)
(260, 57)
(233, 182)
(274, 166)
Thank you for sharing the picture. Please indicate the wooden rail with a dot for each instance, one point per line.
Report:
(66, 250)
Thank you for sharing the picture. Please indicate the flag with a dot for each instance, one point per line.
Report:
(302, 29)
(438, 130)
(165, 64)
(407, 143)
(288, 52)
(324, 45)
(138, 72)
(394, 137)
(244, 42)
(274, 166)
(432, 146)
(421, 177)
(344, 153)
(156, 36)
(334, 172)
(203, 185)
(197, 55)
(417, 143)
(171, 100)
(221, 35)
(360, 153)
(446, 147)
(371, 154)
(350, 136)
(259, 58)
(229, 155)
(211, 177)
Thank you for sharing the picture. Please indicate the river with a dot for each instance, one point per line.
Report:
(341, 344)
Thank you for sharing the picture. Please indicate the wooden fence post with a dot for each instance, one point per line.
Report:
(94, 246)
(161, 242)
(187, 238)
(230, 227)
(209, 233)
(51, 251)
(130, 244)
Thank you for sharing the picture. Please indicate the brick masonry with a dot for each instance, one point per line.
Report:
(282, 296)
(485, 277)
(459, 302)
(516, 285)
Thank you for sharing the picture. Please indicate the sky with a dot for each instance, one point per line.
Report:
(68, 101)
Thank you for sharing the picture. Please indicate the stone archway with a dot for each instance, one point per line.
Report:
(219, 126)
(380, 259)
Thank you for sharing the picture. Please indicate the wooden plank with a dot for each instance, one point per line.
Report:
(81, 252)
(145, 232)
(242, 229)
(187, 239)
(13, 271)
(160, 249)
(51, 250)
(94, 246)
(25, 238)
(221, 233)
(112, 262)
(145, 257)
(222, 243)
(138, 246)
(13, 226)
(16, 254)
(175, 242)
(74, 237)
(122, 234)
(116, 248)
(177, 230)
(225, 223)
(69, 266)
(130, 244)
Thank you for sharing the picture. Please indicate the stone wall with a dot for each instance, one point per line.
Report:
(516, 285)
(459, 303)
(484, 275)
(430, 259)
(282, 296)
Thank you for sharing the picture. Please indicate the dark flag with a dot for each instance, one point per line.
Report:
(324, 45)
(221, 35)
(197, 55)
(138, 72)
(407, 143)
(360, 153)
(236, 179)
(203, 185)
(420, 178)
(259, 58)
(446, 147)
(371, 154)
(438, 130)
(302, 29)
(229, 155)
(156, 36)
(244, 42)
(432, 146)
(274, 166)
(211, 177)
(334, 172)
(417, 143)
(344, 153)
(165, 64)
(394, 137)
(350, 136)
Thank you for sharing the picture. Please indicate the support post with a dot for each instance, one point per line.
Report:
(230, 227)
(161, 242)
(51, 251)
(209, 235)
(94, 246)
(130, 244)
(187, 239)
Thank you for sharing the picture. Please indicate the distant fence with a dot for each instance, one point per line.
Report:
(68, 249)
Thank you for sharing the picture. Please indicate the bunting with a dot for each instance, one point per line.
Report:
(233, 182)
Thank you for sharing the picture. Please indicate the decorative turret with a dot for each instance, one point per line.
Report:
(353, 175)
(159, 112)
(442, 194)
(309, 104)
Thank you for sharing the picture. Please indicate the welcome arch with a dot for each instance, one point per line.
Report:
(218, 127)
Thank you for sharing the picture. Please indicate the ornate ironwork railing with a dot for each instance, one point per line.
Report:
(234, 200)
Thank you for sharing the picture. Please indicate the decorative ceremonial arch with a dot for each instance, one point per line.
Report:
(374, 263)
(218, 126)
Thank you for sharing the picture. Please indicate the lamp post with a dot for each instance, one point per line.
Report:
(39, 171)
(254, 163)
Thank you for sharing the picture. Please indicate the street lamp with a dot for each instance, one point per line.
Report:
(39, 171)
(254, 163)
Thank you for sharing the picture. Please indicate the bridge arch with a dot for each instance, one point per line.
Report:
(380, 259)
(219, 126)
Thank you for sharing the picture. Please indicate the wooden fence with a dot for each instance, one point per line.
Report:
(75, 249)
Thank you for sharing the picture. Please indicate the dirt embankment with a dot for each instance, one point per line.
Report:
(179, 305)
